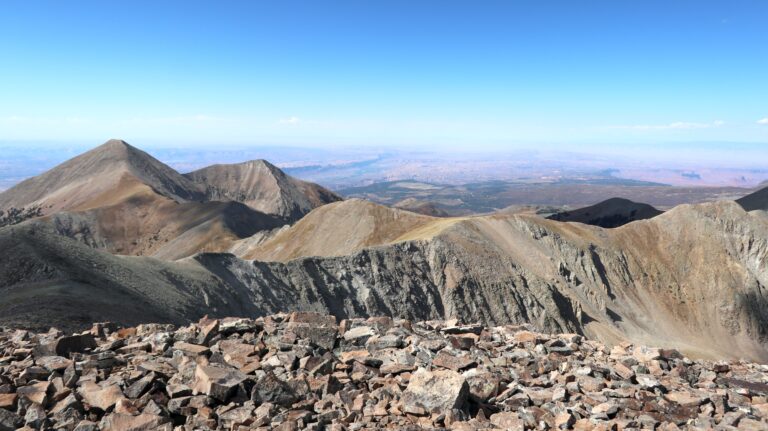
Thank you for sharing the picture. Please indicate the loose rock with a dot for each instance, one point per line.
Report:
(304, 371)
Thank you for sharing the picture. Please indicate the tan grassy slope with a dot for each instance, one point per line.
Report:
(344, 228)
(338, 229)
(150, 225)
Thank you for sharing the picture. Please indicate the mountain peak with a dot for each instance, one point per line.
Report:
(263, 187)
(114, 146)
(97, 174)
(111, 151)
(116, 143)
(244, 168)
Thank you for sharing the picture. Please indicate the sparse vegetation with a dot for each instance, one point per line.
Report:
(18, 215)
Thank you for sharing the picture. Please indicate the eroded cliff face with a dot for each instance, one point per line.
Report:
(693, 278)
(415, 280)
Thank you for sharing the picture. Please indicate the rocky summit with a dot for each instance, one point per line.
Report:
(305, 371)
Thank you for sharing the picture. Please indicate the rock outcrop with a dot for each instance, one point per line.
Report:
(303, 371)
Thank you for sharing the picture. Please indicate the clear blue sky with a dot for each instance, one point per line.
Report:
(464, 73)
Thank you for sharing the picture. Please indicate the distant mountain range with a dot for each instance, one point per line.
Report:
(693, 277)
(492, 196)
(120, 199)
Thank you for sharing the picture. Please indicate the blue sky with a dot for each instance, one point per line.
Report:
(479, 74)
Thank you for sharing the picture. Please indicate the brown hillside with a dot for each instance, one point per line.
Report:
(263, 187)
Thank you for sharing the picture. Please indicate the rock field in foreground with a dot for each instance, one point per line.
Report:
(304, 371)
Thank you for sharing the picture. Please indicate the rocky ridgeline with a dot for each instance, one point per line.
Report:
(304, 371)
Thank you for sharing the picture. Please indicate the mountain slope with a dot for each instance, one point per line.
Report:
(693, 277)
(120, 199)
(156, 226)
(610, 213)
(50, 280)
(263, 187)
(702, 266)
(337, 229)
(102, 176)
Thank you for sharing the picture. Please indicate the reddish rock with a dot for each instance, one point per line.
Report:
(217, 382)
(8, 401)
(102, 396)
(452, 361)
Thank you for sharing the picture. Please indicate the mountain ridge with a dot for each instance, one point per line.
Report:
(123, 200)
(693, 277)
(618, 284)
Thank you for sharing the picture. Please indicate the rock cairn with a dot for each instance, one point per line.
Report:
(304, 371)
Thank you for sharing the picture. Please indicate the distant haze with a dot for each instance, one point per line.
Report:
(342, 166)
(492, 76)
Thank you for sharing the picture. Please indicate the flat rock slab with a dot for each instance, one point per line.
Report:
(217, 382)
(435, 391)
(142, 422)
(453, 361)
(8, 401)
(100, 396)
(37, 392)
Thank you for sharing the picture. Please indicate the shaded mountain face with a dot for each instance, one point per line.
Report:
(421, 207)
(263, 187)
(610, 213)
(693, 277)
(49, 280)
(755, 201)
(120, 199)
